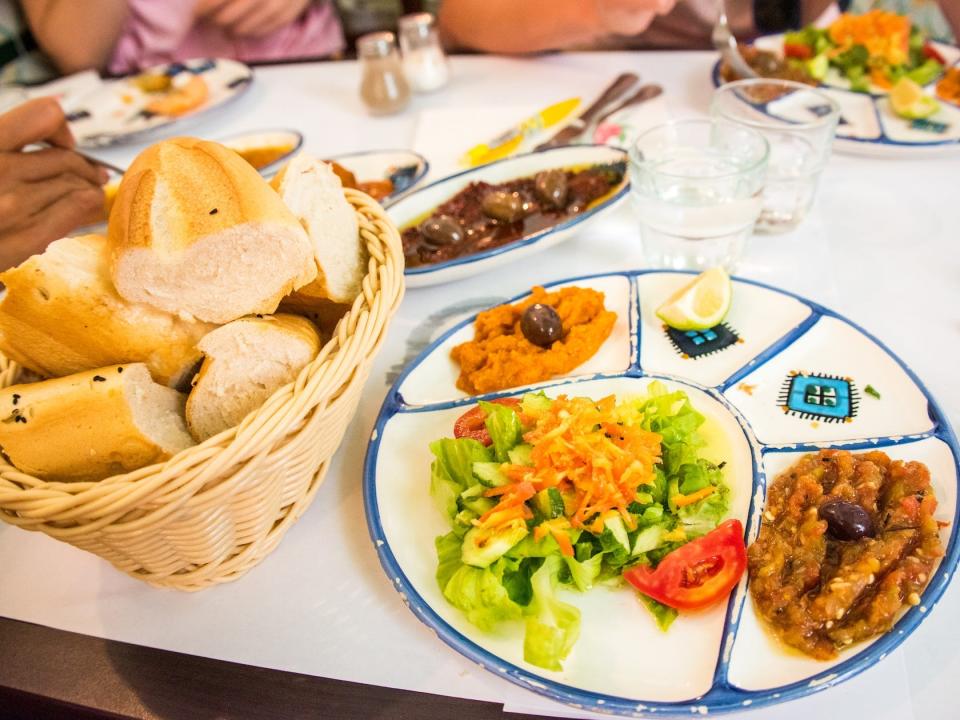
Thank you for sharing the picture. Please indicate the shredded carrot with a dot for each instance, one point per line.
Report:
(683, 500)
(886, 35)
(580, 448)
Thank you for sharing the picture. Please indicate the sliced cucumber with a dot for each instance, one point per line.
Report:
(481, 547)
(520, 455)
(647, 539)
(535, 403)
(479, 505)
(548, 503)
(614, 534)
(489, 474)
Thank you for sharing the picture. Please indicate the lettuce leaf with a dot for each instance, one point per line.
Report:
(552, 626)
(481, 595)
(663, 614)
(503, 424)
(452, 471)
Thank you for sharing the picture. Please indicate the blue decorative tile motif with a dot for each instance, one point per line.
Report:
(698, 343)
(931, 126)
(823, 397)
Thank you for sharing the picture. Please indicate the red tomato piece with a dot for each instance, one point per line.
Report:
(797, 50)
(929, 51)
(472, 424)
(697, 574)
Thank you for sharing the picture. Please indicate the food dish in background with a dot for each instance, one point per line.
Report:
(127, 110)
(384, 175)
(462, 195)
(266, 150)
(857, 62)
(755, 376)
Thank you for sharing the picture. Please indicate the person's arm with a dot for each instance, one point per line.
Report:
(77, 35)
(523, 26)
(951, 11)
(811, 10)
(44, 194)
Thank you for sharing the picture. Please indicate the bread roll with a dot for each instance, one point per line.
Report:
(61, 315)
(196, 230)
(245, 362)
(314, 193)
(91, 425)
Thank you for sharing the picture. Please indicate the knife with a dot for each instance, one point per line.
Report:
(617, 89)
(647, 92)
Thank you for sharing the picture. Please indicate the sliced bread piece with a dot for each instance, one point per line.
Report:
(195, 230)
(61, 315)
(91, 425)
(245, 362)
(311, 189)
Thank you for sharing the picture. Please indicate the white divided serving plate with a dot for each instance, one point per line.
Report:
(749, 376)
(867, 124)
(416, 205)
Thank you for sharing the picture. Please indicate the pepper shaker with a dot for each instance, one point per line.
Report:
(383, 87)
(424, 61)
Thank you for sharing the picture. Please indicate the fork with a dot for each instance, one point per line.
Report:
(726, 44)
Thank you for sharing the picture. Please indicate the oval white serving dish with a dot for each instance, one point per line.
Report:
(413, 206)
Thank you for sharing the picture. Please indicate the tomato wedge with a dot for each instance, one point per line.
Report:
(472, 424)
(697, 574)
(929, 51)
(797, 50)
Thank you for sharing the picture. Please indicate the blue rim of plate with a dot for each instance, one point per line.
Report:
(529, 239)
(723, 698)
(882, 140)
(394, 196)
(243, 83)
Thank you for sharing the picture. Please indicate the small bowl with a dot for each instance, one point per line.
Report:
(283, 143)
(404, 167)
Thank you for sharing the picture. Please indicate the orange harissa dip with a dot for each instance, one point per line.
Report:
(500, 357)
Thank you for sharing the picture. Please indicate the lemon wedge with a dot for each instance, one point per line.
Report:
(909, 101)
(701, 304)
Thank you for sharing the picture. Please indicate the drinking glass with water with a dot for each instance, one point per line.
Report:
(799, 122)
(696, 186)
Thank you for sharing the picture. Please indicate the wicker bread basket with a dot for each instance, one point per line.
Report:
(214, 511)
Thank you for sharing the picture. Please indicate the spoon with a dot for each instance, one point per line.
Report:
(726, 44)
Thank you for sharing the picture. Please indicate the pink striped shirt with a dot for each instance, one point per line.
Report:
(160, 31)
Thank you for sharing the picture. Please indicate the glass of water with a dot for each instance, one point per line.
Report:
(799, 122)
(695, 186)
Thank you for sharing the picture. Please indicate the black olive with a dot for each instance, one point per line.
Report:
(504, 206)
(541, 325)
(846, 520)
(442, 230)
(551, 187)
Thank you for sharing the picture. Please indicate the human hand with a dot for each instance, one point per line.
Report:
(47, 193)
(630, 17)
(250, 18)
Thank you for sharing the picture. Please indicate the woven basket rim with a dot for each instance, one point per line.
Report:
(261, 424)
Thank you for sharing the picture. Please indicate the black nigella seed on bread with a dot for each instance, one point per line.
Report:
(99, 378)
(213, 212)
(16, 398)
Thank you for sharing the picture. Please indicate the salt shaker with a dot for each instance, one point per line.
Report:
(384, 88)
(424, 61)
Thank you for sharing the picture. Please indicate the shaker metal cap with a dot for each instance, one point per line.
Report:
(376, 44)
(416, 24)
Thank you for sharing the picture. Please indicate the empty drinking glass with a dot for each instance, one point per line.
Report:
(799, 122)
(696, 187)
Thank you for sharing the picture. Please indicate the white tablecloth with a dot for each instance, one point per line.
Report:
(880, 247)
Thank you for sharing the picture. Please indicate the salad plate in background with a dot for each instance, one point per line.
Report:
(566, 625)
(890, 93)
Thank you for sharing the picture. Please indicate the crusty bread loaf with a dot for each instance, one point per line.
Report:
(91, 425)
(314, 193)
(245, 362)
(196, 230)
(61, 315)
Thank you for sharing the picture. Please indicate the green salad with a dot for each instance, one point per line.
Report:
(543, 494)
(876, 47)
